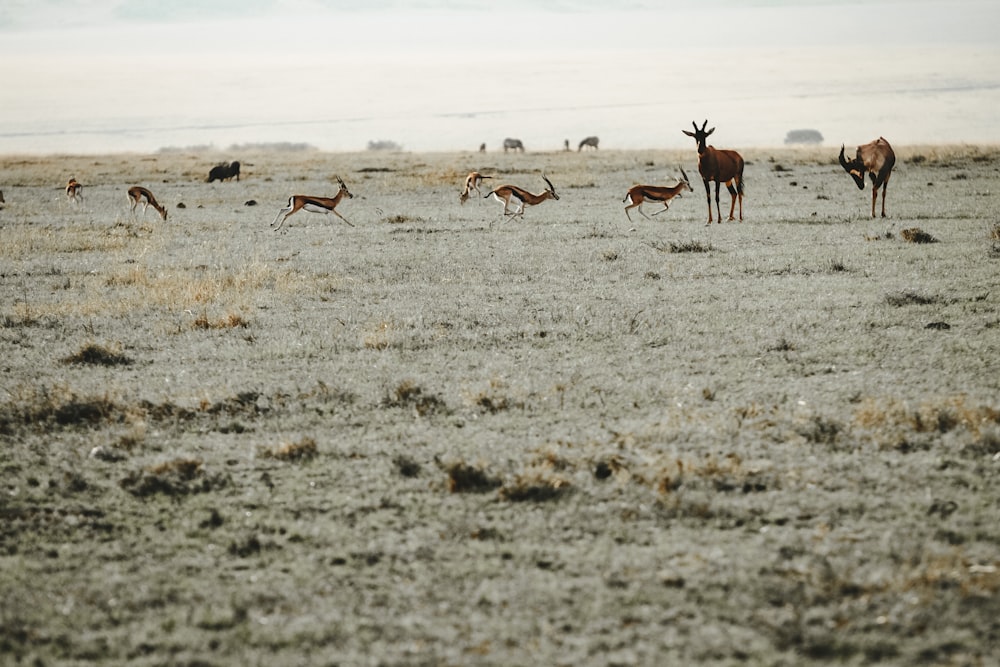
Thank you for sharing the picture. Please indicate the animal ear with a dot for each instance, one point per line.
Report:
(690, 134)
(710, 132)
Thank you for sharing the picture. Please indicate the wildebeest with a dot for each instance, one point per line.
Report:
(224, 171)
(589, 141)
(875, 159)
(513, 145)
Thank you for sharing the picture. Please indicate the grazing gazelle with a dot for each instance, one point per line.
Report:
(876, 159)
(505, 193)
(314, 204)
(720, 166)
(140, 195)
(640, 193)
(74, 191)
(472, 182)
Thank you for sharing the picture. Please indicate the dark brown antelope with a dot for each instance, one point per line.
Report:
(720, 166)
(315, 204)
(140, 195)
(74, 191)
(505, 193)
(875, 159)
(472, 182)
(588, 142)
(640, 193)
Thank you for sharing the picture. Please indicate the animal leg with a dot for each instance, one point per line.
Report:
(342, 217)
(718, 207)
(732, 203)
(287, 211)
(708, 198)
(666, 205)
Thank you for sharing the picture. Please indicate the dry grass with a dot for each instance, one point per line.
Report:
(303, 450)
(97, 355)
(917, 235)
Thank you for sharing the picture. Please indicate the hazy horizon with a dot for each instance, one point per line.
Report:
(134, 76)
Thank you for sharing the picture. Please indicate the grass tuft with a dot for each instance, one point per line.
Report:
(303, 450)
(917, 235)
(465, 478)
(97, 355)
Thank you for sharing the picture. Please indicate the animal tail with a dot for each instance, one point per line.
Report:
(486, 196)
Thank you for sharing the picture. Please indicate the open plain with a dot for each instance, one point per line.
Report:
(443, 438)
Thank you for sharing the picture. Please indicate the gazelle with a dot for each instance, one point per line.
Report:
(505, 193)
(315, 204)
(720, 166)
(74, 191)
(876, 159)
(140, 195)
(472, 182)
(640, 193)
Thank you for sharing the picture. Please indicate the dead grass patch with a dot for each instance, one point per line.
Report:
(178, 477)
(230, 321)
(303, 450)
(535, 486)
(910, 298)
(408, 394)
(890, 421)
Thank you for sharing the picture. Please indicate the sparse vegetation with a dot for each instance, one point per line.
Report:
(757, 443)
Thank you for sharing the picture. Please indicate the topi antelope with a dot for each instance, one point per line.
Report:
(640, 193)
(876, 159)
(472, 182)
(505, 193)
(140, 195)
(74, 191)
(720, 166)
(315, 204)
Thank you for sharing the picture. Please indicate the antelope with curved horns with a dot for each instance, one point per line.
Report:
(721, 166)
(315, 204)
(74, 191)
(876, 159)
(472, 182)
(140, 195)
(505, 193)
(640, 193)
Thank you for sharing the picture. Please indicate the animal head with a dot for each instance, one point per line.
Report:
(343, 188)
(551, 189)
(855, 168)
(700, 135)
(686, 180)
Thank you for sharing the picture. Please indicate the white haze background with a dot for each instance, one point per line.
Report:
(96, 76)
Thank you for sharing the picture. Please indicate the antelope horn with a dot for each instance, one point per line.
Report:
(551, 187)
(683, 174)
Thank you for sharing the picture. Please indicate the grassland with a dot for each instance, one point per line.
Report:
(441, 438)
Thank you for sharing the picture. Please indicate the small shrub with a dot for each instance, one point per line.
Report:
(535, 488)
(690, 246)
(908, 298)
(408, 394)
(464, 478)
(917, 235)
(97, 355)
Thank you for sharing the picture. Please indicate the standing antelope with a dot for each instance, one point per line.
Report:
(720, 166)
(472, 182)
(315, 204)
(588, 142)
(640, 193)
(876, 159)
(505, 193)
(140, 195)
(74, 191)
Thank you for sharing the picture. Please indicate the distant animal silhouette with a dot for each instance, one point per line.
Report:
(74, 191)
(224, 172)
(513, 145)
(876, 159)
(589, 142)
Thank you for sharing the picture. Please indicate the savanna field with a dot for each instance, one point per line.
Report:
(439, 437)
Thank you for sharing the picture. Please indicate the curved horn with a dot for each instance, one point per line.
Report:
(843, 161)
(549, 183)
(686, 180)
